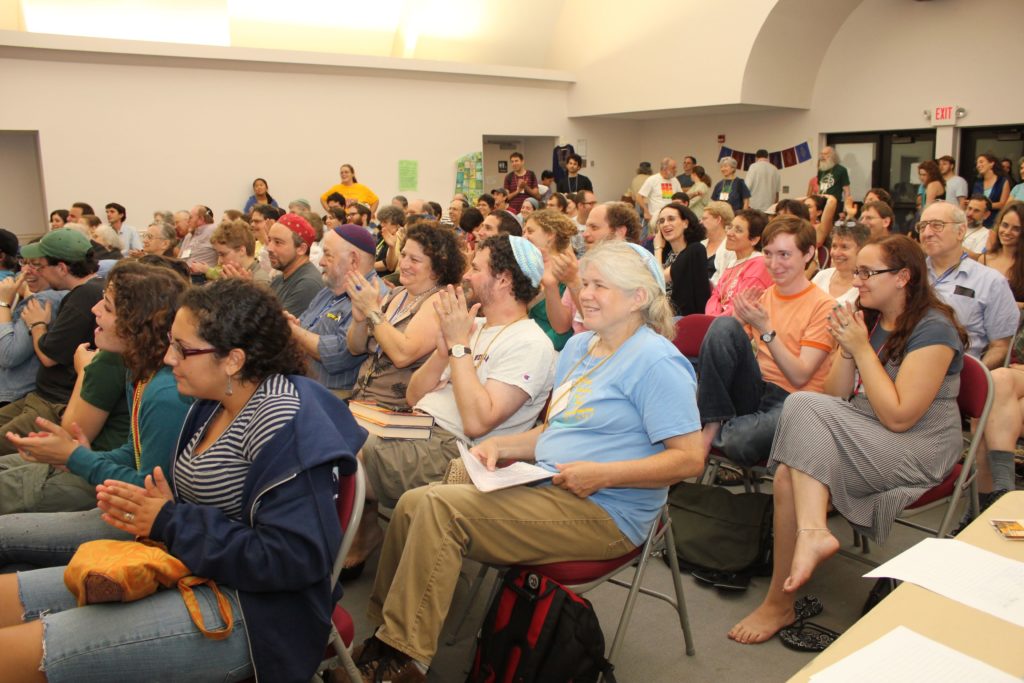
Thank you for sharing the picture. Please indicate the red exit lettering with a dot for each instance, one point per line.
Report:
(943, 113)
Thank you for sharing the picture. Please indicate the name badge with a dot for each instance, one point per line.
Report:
(185, 254)
(724, 196)
(561, 400)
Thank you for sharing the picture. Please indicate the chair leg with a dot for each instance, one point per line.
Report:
(474, 589)
(677, 582)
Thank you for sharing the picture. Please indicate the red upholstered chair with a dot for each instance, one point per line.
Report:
(690, 331)
(351, 495)
(582, 576)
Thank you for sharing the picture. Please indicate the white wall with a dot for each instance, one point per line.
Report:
(167, 136)
(871, 78)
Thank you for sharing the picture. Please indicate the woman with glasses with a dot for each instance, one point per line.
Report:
(133, 319)
(159, 238)
(252, 507)
(886, 430)
(743, 238)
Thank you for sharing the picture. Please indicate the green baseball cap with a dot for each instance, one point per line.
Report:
(65, 244)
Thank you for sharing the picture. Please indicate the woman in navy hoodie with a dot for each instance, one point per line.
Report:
(249, 502)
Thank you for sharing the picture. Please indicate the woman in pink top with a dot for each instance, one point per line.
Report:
(743, 238)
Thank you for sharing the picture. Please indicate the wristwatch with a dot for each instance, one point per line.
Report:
(4, 304)
(768, 336)
(459, 350)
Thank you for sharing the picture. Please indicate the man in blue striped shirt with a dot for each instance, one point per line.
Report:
(321, 329)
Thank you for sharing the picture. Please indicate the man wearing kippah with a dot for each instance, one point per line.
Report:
(322, 329)
(489, 376)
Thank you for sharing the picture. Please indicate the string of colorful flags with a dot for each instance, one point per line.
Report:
(791, 156)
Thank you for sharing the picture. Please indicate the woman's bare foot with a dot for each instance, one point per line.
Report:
(763, 623)
(368, 539)
(813, 546)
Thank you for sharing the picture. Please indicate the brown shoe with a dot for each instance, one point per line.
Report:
(392, 670)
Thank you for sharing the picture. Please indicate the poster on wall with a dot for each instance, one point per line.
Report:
(469, 174)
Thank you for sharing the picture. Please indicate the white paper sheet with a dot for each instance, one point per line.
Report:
(962, 572)
(515, 474)
(908, 657)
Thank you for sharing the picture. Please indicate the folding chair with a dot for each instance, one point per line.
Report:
(349, 504)
(752, 474)
(975, 401)
(585, 575)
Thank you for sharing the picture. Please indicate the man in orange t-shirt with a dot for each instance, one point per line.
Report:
(743, 385)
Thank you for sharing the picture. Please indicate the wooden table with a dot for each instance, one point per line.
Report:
(975, 633)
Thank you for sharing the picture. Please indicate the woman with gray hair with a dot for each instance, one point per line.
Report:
(730, 188)
(847, 239)
(621, 427)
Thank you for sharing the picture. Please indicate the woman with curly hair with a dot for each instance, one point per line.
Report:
(684, 260)
(551, 231)
(399, 331)
(132, 319)
(1007, 251)
(251, 507)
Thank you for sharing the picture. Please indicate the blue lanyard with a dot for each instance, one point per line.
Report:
(956, 266)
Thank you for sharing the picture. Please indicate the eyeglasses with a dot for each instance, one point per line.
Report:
(865, 273)
(936, 225)
(34, 265)
(738, 229)
(183, 351)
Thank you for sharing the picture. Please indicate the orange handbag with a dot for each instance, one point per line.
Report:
(124, 571)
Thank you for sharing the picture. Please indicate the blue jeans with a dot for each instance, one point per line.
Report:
(152, 639)
(732, 391)
(49, 539)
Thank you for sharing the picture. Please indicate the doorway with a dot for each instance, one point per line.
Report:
(21, 176)
(535, 149)
(887, 159)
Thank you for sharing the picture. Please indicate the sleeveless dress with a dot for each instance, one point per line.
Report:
(379, 380)
(874, 473)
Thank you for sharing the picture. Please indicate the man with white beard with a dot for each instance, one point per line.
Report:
(832, 178)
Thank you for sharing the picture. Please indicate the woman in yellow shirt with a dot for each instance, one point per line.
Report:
(352, 190)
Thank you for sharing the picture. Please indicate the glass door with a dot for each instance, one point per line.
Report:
(1003, 142)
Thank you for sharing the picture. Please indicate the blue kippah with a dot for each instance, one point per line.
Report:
(528, 257)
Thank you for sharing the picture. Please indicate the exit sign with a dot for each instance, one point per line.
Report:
(944, 116)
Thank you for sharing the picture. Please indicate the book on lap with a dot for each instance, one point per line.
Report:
(389, 423)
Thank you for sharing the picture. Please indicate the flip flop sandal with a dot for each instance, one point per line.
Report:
(807, 607)
(807, 636)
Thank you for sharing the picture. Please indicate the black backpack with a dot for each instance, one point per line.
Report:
(538, 630)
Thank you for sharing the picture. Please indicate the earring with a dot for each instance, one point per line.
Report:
(228, 390)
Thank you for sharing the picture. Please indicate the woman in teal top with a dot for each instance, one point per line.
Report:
(133, 319)
(550, 231)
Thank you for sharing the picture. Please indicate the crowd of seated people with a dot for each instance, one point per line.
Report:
(148, 375)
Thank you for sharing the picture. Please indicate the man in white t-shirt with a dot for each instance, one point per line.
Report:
(956, 187)
(764, 181)
(657, 191)
(488, 376)
(978, 210)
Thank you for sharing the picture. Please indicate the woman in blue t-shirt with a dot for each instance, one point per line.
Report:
(622, 425)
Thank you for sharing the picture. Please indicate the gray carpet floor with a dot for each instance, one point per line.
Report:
(653, 647)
